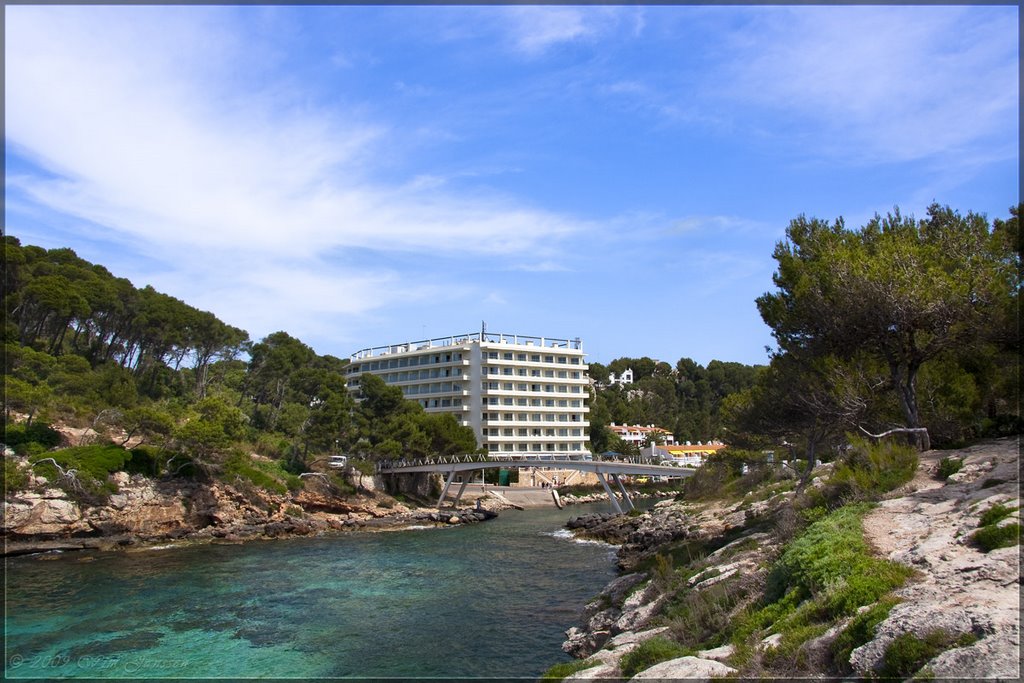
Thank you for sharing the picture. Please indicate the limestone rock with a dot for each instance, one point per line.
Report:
(633, 637)
(636, 618)
(45, 516)
(994, 657)
(690, 668)
(718, 654)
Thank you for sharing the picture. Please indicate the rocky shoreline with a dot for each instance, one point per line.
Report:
(926, 524)
(145, 512)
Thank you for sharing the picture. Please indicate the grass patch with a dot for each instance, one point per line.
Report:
(995, 514)
(908, 653)
(649, 653)
(949, 467)
(787, 653)
(563, 669)
(859, 631)
(700, 619)
(989, 538)
(265, 475)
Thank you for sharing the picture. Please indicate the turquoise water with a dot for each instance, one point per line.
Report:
(487, 600)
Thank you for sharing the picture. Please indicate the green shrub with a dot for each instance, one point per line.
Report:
(995, 514)
(869, 470)
(989, 538)
(831, 558)
(265, 475)
(649, 653)
(787, 653)
(15, 478)
(701, 618)
(91, 464)
(20, 438)
(96, 461)
(948, 467)
(908, 653)
(859, 631)
(563, 669)
(146, 460)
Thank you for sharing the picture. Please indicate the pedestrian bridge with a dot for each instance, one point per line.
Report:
(458, 464)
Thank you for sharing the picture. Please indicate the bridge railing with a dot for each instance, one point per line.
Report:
(402, 463)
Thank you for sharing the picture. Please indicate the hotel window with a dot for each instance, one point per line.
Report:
(507, 356)
(521, 356)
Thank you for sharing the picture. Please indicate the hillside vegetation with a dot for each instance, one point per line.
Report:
(141, 382)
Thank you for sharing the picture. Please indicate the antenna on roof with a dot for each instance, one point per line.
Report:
(483, 329)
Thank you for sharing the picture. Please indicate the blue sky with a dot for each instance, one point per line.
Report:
(358, 176)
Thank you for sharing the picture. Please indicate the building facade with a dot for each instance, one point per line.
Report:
(523, 396)
(686, 455)
(639, 435)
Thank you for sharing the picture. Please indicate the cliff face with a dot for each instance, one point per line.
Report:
(698, 573)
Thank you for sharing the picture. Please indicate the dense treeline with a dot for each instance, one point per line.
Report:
(902, 325)
(88, 349)
(684, 400)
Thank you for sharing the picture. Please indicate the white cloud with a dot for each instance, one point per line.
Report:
(884, 83)
(536, 29)
(140, 116)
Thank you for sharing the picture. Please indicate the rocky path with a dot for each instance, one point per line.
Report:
(959, 588)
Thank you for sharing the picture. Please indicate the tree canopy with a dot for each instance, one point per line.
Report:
(895, 296)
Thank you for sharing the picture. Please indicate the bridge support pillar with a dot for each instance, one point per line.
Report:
(608, 490)
(447, 485)
(466, 476)
(625, 496)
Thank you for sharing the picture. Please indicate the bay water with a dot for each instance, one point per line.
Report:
(484, 600)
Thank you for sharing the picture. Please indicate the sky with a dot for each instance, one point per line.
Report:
(363, 176)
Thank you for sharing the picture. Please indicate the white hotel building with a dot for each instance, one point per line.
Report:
(523, 396)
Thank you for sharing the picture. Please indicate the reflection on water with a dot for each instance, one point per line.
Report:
(490, 599)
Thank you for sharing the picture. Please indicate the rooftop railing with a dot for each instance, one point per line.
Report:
(462, 339)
